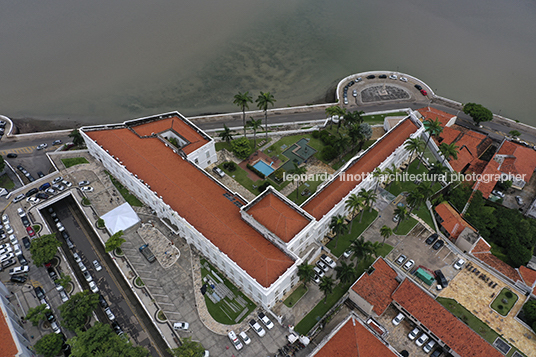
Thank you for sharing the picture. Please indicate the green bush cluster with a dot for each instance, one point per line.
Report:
(264, 186)
(229, 166)
(257, 172)
(241, 148)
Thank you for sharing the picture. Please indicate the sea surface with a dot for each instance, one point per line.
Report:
(107, 61)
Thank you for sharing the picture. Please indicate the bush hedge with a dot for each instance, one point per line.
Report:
(257, 172)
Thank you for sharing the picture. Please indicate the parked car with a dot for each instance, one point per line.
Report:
(319, 271)
(18, 279)
(235, 341)
(437, 353)
(423, 92)
(42, 195)
(117, 328)
(60, 226)
(266, 321)
(218, 172)
(409, 264)
(86, 189)
(431, 239)
(77, 257)
(87, 276)
(519, 200)
(441, 279)
(181, 325)
(257, 327)
(31, 192)
(418, 87)
(316, 279)
(66, 183)
(30, 231)
(57, 179)
(63, 295)
(82, 266)
(97, 265)
(52, 274)
(393, 76)
(69, 242)
(328, 261)
(322, 265)
(40, 174)
(21, 212)
(102, 301)
(498, 193)
(7, 263)
(403, 79)
(93, 287)
(371, 76)
(109, 313)
(39, 292)
(83, 183)
(347, 254)
(25, 221)
(438, 244)
(401, 259)
(19, 270)
(19, 198)
(56, 142)
(429, 346)
(459, 264)
(244, 337)
(398, 319)
(32, 200)
(382, 76)
(55, 327)
(413, 334)
(421, 340)
(26, 242)
(50, 191)
(22, 260)
(11, 155)
(44, 186)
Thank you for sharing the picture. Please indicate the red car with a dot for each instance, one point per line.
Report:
(423, 92)
(30, 231)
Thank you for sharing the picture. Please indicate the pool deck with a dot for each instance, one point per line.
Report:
(253, 158)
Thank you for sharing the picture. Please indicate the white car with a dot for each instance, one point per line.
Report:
(413, 334)
(398, 319)
(97, 265)
(319, 272)
(328, 261)
(9, 229)
(266, 321)
(6, 256)
(257, 327)
(181, 325)
(60, 227)
(86, 189)
(109, 313)
(322, 265)
(82, 266)
(354, 92)
(409, 264)
(83, 183)
(13, 239)
(16, 250)
(77, 258)
(393, 76)
(19, 198)
(64, 296)
(57, 179)
(6, 250)
(244, 338)
(19, 270)
(42, 146)
(66, 183)
(55, 327)
(429, 346)
(44, 302)
(316, 279)
(347, 254)
(234, 339)
(93, 286)
(459, 264)
(421, 340)
(87, 276)
(20, 211)
(32, 200)
(403, 79)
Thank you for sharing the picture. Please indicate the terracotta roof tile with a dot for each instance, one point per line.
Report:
(353, 339)
(430, 113)
(198, 199)
(464, 158)
(481, 246)
(449, 135)
(179, 126)
(490, 171)
(452, 221)
(334, 192)
(457, 335)
(498, 265)
(523, 160)
(8, 347)
(376, 288)
(528, 275)
(278, 217)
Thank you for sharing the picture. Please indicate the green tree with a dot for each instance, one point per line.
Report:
(76, 310)
(414, 200)
(426, 190)
(354, 134)
(114, 242)
(242, 100)
(37, 314)
(254, 125)
(438, 170)
(518, 254)
(449, 151)
(326, 286)
(297, 170)
(2, 163)
(361, 248)
(346, 273)
(375, 248)
(369, 199)
(44, 248)
(340, 145)
(529, 309)
(354, 117)
(385, 232)
(78, 140)
(100, 341)
(377, 174)
(49, 345)
(263, 100)
(335, 110)
(241, 148)
(391, 174)
(306, 273)
(402, 213)
(64, 280)
(226, 135)
(366, 133)
(188, 348)
(433, 128)
(353, 203)
(477, 112)
(414, 146)
(338, 227)
(514, 133)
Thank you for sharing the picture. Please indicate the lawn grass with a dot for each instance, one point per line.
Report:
(397, 187)
(310, 185)
(224, 145)
(379, 118)
(307, 323)
(130, 198)
(6, 182)
(221, 311)
(276, 150)
(424, 213)
(405, 226)
(241, 176)
(501, 307)
(357, 228)
(295, 296)
(74, 161)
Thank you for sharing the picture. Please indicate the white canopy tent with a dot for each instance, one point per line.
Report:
(120, 218)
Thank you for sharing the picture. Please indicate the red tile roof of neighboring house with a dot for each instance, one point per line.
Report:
(334, 192)
(449, 135)
(464, 158)
(487, 185)
(457, 335)
(353, 339)
(179, 126)
(528, 275)
(376, 287)
(523, 160)
(481, 246)
(498, 265)
(430, 113)
(196, 198)
(278, 217)
(452, 221)
(8, 347)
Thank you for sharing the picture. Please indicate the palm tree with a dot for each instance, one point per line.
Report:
(355, 135)
(385, 232)
(340, 145)
(338, 227)
(335, 110)
(369, 197)
(414, 145)
(255, 125)
(449, 151)
(326, 286)
(353, 203)
(414, 199)
(437, 170)
(262, 103)
(375, 248)
(377, 173)
(346, 272)
(226, 135)
(391, 174)
(402, 213)
(306, 273)
(433, 128)
(425, 189)
(78, 140)
(361, 249)
(351, 118)
(242, 100)
(298, 171)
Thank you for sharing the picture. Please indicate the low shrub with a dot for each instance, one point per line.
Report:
(329, 153)
(263, 187)
(316, 134)
(229, 166)
(257, 172)
(241, 148)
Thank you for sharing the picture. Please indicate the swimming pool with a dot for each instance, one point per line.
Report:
(264, 168)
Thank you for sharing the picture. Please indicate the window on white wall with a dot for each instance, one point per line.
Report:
(208, 154)
(196, 161)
